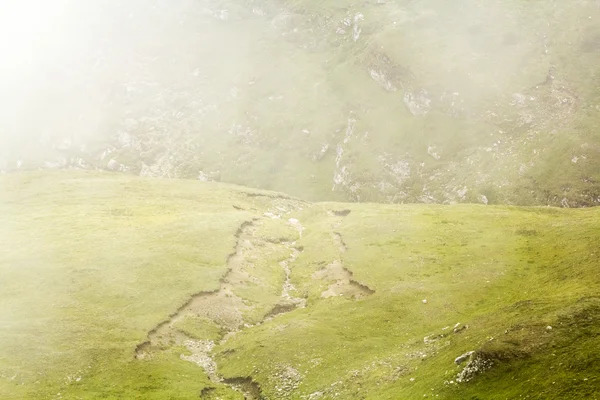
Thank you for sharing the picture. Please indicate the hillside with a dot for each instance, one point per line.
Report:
(431, 101)
(120, 287)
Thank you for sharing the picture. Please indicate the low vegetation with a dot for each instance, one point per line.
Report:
(396, 101)
(94, 263)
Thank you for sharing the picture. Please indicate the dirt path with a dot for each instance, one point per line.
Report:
(344, 284)
(226, 309)
(221, 306)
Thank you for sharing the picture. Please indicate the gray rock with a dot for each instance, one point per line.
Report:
(383, 80)
(417, 104)
(433, 152)
(209, 176)
(477, 365)
(113, 165)
(463, 357)
(316, 395)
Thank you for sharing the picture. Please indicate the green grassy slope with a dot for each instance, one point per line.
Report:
(93, 263)
(89, 266)
(507, 273)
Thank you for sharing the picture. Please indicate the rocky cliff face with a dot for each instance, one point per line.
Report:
(394, 101)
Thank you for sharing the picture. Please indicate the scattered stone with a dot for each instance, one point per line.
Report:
(321, 153)
(477, 365)
(113, 165)
(209, 176)
(431, 150)
(418, 104)
(287, 380)
(297, 225)
(201, 356)
(383, 80)
(462, 192)
(518, 99)
(463, 357)
(458, 328)
(433, 338)
(315, 395)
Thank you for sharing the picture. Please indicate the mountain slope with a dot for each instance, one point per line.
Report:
(122, 287)
(390, 101)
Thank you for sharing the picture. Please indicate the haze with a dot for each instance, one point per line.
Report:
(379, 100)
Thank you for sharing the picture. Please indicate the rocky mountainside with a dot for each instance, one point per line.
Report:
(376, 100)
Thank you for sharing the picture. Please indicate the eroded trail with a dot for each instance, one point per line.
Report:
(344, 283)
(288, 300)
(260, 267)
(222, 306)
(226, 309)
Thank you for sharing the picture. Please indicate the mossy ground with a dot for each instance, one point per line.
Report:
(91, 262)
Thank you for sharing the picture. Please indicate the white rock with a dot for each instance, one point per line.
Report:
(432, 152)
(417, 104)
(463, 357)
(113, 165)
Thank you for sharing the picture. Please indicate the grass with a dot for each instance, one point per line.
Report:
(476, 277)
(91, 262)
(200, 328)
(257, 106)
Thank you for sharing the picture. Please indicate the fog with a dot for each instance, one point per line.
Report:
(346, 100)
(132, 266)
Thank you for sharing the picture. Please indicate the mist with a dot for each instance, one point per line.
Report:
(299, 199)
(394, 101)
